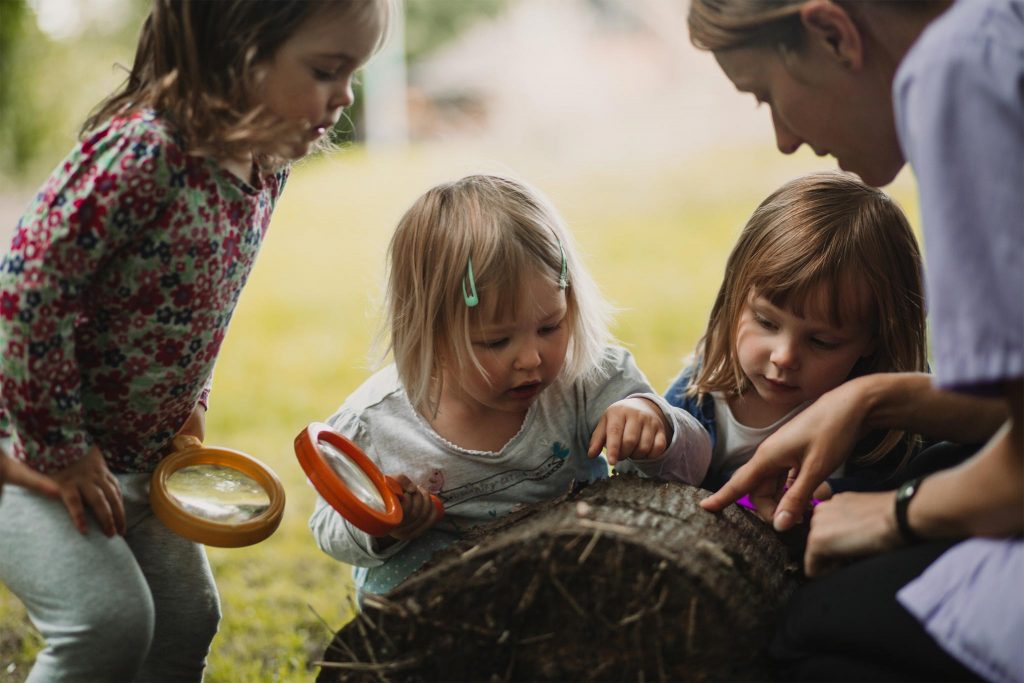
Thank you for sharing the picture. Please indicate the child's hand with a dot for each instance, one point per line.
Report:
(630, 428)
(195, 425)
(17, 473)
(89, 482)
(418, 511)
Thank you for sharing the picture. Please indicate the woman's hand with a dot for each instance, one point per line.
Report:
(418, 511)
(631, 428)
(88, 482)
(17, 473)
(803, 453)
(848, 526)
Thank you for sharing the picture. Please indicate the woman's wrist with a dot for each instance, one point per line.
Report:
(904, 495)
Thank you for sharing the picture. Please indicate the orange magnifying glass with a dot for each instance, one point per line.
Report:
(349, 481)
(216, 496)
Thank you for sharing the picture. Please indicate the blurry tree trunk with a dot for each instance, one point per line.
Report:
(626, 580)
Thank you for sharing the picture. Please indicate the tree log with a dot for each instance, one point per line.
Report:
(626, 579)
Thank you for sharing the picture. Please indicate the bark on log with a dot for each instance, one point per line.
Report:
(625, 580)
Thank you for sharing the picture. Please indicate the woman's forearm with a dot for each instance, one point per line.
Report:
(910, 402)
(985, 495)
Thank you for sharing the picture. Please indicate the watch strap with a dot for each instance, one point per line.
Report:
(904, 495)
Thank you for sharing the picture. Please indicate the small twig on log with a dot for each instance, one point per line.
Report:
(716, 551)
(620, 529)
(486, 566)
(565, 594)
(529, 594)
(469, 553)
(321, 619)
(532, 640)
(362, 621)
(374, 668)
(590, 547)
(656, 607)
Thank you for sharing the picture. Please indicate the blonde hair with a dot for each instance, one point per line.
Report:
(197, 64)
(825, 232)
(510, 232)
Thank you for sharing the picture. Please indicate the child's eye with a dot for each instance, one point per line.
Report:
(764, 322)
(824, 344)
(334, 74)
(492, 343)
(549, 329)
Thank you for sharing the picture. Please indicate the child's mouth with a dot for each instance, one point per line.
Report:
(524, 391)
(779, 386)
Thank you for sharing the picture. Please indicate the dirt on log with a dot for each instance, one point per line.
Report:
(624, 580)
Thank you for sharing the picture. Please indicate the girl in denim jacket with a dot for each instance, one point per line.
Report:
(823, 285)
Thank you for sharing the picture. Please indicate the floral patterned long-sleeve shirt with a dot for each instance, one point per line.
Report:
(116, 294)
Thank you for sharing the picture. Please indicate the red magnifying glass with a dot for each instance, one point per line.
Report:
(350, 482)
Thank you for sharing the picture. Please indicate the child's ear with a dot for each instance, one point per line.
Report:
(833, 29)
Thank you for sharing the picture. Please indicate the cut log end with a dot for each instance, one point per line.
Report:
(628, 579)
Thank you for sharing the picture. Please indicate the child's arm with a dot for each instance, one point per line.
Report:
(347, 543)
(17, 473)
(687, 450)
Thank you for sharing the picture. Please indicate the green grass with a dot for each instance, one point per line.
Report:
(655, 238)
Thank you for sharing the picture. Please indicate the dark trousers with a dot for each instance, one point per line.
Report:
(849, 626)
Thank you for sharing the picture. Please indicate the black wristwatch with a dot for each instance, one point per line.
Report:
(904, 495)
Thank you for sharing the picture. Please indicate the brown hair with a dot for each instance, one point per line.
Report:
(511, 232)
(196, 63)
(723, 24)
(824, 230)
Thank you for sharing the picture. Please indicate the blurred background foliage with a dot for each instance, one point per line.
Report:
(48, 78)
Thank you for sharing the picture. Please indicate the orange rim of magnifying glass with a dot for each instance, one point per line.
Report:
(329, 485)
(206, 531)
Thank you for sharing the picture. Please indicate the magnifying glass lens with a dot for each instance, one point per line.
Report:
(218, 493)
(353, 476)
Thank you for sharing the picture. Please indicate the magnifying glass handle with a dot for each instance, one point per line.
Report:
(396, 489)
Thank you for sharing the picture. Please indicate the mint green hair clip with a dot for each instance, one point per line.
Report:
(471, 298)
(563, 278)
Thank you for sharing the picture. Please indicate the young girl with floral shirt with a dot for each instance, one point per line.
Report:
(115, 298)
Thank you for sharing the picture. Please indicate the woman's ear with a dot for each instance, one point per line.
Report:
(832, 28)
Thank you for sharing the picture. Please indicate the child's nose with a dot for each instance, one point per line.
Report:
(528, 357)
(342, 97)
(784, 355)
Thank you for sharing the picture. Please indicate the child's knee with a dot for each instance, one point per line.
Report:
(191, 625)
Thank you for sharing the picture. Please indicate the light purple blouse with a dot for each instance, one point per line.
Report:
(959, 102)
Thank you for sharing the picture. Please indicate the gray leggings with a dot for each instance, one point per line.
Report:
(142, 607)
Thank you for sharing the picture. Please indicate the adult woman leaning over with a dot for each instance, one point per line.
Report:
(940, 86)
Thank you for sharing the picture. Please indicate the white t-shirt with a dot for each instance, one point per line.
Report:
(736, 442)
